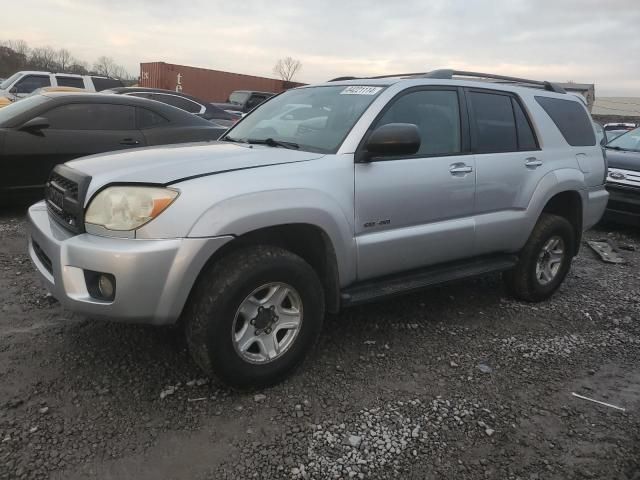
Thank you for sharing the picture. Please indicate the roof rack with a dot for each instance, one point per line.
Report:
(449, 74)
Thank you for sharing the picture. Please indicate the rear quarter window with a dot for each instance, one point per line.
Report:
(572, 120)
(105, 83)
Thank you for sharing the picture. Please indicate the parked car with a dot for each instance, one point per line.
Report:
(42, 90)
(244, 101)
(4, 101)
(614, 130)
(400, 184)
(613, 134)
(41, 131)
(183, 101)
(21, 84)
(623, 179)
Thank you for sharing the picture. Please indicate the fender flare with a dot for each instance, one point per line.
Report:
(249, 212)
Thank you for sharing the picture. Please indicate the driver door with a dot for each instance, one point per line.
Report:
(417, 210)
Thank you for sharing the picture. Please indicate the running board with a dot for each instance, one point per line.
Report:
(390, 286)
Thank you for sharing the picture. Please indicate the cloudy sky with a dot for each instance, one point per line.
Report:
(590, 41)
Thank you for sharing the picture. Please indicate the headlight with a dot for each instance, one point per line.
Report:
(128, 208)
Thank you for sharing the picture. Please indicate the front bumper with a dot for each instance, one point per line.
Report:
(624, 205)
(153, 277)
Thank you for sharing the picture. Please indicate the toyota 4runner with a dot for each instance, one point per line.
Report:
(323, 197)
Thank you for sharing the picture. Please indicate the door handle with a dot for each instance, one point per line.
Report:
(532, 162)
(460, 169)
(129, 141)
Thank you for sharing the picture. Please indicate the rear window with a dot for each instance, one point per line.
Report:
(76, 82)
(105, 83)
(571, 119)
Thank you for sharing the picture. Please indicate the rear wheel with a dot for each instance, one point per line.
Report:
(254, 316)
(544, 261)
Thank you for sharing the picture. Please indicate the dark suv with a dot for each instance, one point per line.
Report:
(183, 101)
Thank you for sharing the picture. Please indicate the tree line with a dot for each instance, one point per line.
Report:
(17, 55)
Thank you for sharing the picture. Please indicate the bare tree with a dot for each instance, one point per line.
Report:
(64, 59)
(78, 67)
(19, 46)
(44, 58)
(104, 66)
(286, 68)
(120, 72)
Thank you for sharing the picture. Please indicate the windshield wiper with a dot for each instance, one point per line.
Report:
(270, 142)
(234, 140)
(615, 148)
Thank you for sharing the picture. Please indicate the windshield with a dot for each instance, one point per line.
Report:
(314, 118)
(5, 85)
(8, 113)
(627, 141)
(238, 97)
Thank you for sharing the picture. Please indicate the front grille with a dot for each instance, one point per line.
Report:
(69, 186)
(65, 193)
(44, 259)
(624, 198)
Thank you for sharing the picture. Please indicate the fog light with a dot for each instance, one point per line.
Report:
(100, 285)
(106, 287)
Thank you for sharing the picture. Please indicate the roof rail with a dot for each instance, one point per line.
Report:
(448, 74)
(340, 79)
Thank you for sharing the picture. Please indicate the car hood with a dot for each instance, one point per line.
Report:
(623, 159)
(174, 163)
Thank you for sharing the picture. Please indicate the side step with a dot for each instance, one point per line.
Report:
(393, 285)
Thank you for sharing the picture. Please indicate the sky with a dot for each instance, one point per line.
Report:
(586, 41)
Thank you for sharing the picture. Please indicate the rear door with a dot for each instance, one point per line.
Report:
(75, 130)
(509, 165)
(417, 210)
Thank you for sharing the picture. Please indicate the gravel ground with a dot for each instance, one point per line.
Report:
(456, 382)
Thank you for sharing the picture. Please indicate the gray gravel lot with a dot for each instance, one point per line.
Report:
(455, 382)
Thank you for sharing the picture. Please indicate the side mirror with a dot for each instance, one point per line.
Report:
(393, 139)
(14, 90)
(35, 125)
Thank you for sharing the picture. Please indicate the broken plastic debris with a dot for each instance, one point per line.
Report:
(607, 252)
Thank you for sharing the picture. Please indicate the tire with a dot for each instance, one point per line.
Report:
(524, 282)
(213, 319)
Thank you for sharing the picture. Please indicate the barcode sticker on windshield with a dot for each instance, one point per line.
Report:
(360, 90)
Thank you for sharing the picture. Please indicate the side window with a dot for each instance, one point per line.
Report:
(86, 116)
(75, 82)
(101, 84)
(149, 119)
(29, 83)
(180, 102)
(571, 119)
(254, 101)
(494, 122)
(526, 138)
(436, 113)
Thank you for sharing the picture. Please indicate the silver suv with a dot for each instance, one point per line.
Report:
(323, 197)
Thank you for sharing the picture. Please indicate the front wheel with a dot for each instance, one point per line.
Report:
(544, 261)
(254, 316)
